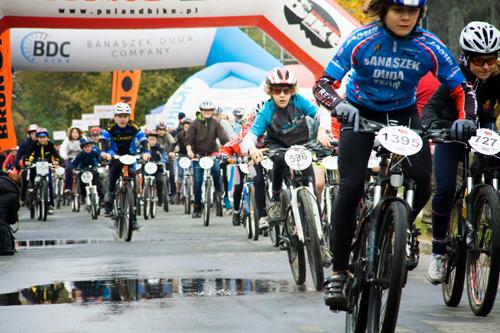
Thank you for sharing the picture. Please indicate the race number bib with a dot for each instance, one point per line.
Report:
(298, 158)
(486, 142)
(206, 162)
(87, 177)
(184, 162)
(42, 168)
(400, 140)
(150, 168)
(267, 163)
(330, 163)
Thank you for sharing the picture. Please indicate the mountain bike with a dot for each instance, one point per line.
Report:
(75, 192)
(275, 231)
(166, 188)
(58, 186)
(473, 238)
(377, 264)
(91, 195)
(124, 204)
(187, 184)
(302, 221)
(41, 189)
(249, 214)
(149, 190)
(207, 190)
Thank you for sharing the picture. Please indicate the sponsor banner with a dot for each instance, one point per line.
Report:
(104, 111)
(76, 50)
(7, 133)
(81, 124)
(125, 88)
(58, 135)
(91, 118)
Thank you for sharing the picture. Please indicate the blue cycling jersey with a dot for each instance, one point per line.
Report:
(124, 140)
(386, 69)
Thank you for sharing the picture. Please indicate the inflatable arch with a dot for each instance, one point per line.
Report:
(309, 30)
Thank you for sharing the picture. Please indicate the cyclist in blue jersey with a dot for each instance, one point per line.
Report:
(480, 43)
(283, 117)
(386, 58)
(122, 135)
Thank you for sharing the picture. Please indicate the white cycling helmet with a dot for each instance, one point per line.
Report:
(280, 76)
(480, 37)
(121, 108)
(207, 105)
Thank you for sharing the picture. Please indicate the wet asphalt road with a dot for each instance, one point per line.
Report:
(179, 276)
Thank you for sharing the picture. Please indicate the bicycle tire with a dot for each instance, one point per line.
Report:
(152, 204)
(357, 291)
(206, 203)
(295, 249)
(93, 206)
(218, 205)
(254, 215)
(118, 214)
(146, 198)
(389, 273)
(166, 196)
(453, 286)
(129, 195)
(187, 197)
(485, 197)
(77, 197)
(45, 200)
(31, 197)
(59, 194)
(311, 238)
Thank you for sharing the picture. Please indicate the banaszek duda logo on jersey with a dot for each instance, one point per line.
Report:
(39, 47)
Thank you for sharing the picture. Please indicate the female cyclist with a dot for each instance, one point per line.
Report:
(386, 58)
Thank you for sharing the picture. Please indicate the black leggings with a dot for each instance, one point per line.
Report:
(238, 189)
(259, 184)
(279, 168)
(354, 151)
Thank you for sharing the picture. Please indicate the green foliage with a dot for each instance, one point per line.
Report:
(52, 100)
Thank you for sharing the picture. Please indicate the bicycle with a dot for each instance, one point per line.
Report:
(207, 190)
(377, 267)
(473, 238)
(124, 205)
(30, 195)
(58, 186)
(187, 184)
(249, 214)
(166, 188)
(41, 189)
(149, 190)
(91, 195)
(75, 192)
(302, 222)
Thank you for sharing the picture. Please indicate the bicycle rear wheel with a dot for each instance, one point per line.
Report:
(294, 248)
(311, 238)
(187, 197)
(130, 214)
(390, 269)
(254, 214)
(152, 204)
(94, 209)
(453, 286)
(483, 255)
(166, 195)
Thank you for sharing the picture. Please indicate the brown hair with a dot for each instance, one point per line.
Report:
(379, 8)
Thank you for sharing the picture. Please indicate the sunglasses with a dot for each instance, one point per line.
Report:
(279, 90)
(481, 61)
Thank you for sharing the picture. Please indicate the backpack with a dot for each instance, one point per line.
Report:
(7, 244)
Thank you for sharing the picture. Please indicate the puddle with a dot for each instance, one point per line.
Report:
(24, 244)
(129, 290)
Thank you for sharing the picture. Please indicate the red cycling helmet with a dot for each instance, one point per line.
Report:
(95, 131)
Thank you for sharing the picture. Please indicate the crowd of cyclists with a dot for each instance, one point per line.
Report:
(384, 62)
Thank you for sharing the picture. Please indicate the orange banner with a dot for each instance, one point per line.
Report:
(7, 132)
(125, 88)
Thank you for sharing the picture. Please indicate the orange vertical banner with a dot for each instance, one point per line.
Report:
(7, 132)
(125, 88)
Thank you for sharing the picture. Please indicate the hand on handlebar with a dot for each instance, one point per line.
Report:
(106, 156)
(146, 156)
(462, 130)
(323, 138)
(256, 155)
(347, 114)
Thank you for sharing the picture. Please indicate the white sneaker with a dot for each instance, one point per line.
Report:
(436, 273)
(263, 223)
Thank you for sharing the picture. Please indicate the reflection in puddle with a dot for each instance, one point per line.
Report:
(126, 290)
(54, 242)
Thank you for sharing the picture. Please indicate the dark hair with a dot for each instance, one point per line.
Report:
(379, 8)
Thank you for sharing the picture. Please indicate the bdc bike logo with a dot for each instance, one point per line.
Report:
(37, 47)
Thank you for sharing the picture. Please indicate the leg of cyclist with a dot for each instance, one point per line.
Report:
(227, 203)
(68, 176)
(51, 194)
(274, 209)
(237, 192)
(197, 182)
(352, 168)
(159, 185)
(217, 178)
(446, 158)
(171, 179)
(178, 184)
(114, 174)
(259, 185)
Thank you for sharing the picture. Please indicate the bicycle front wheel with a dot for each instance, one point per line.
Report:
(483, 254)
(187, 196)
(453, 286)
(207, 195)
(146, 199)
(312, 239)
(294, 247)
(390, 268)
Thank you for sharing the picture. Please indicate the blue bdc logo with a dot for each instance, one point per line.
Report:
(37, 46)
